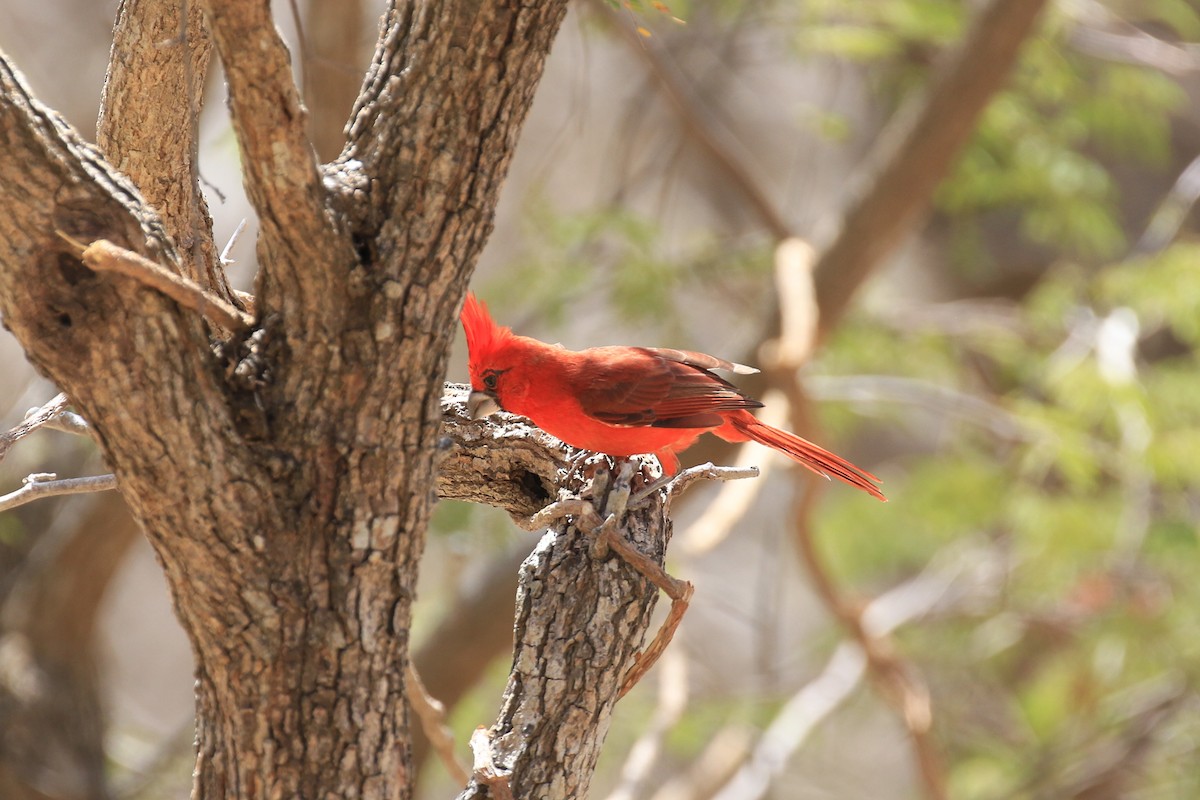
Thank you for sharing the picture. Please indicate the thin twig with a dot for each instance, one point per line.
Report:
(646, 659)
(44, 484)
(35, 418)
(675, 484)
(433, 722)
(485, 770)
(69, 422)
(104, 256)
(237, 232)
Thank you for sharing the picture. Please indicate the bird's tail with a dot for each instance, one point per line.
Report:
(818, 459)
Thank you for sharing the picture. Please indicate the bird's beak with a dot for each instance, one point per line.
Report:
(481, 404)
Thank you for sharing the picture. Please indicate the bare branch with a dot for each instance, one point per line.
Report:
(44, 484)
(676, 484)
(34, 418)
(70, 422)
(302, 248)
(104, 256)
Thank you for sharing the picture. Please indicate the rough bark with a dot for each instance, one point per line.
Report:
(581, 616)
(149, 123)
(285, 477)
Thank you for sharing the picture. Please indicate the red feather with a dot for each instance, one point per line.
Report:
(625, 401)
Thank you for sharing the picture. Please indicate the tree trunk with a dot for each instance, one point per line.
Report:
(283, 474)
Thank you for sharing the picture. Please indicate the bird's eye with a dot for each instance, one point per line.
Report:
(489, 381)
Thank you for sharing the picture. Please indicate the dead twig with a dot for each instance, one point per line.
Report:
(45, 484)
(675, 484)
(104, 256)
(484, 768)
(34, 418)
(433, 722)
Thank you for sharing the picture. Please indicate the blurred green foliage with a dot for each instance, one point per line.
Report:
(1095, 507)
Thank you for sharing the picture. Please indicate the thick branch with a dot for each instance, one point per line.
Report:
(438, 119)
(513, 466)
(97, 337)
(916, 150)
(301, 247)
(580, 619)
(149, 123)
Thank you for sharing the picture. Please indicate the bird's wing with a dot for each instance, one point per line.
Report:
(699, 360)
(641, 386)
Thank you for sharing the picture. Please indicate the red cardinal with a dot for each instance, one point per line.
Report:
(625, 401)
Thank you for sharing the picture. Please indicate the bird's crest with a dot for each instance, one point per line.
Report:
(484, 336)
